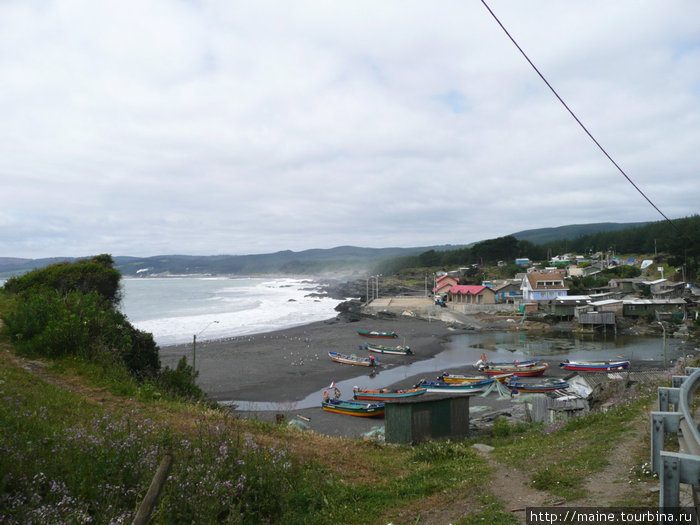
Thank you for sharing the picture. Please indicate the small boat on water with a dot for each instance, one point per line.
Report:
(548, 385)
(353, 408)
(352, 359)
(381, 349)
(595, 366)
(527, 371)
(385, 394)
(456, 388)
(374, 333)
(457, 378)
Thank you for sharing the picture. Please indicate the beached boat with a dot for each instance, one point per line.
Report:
(385, 394)
(352, 359)
(456, 388)
(353, 408)
(484, 362)
(381, 349)
(548, 385)
(374, 333)
(457, 378)
(595, 366)
(528, 371)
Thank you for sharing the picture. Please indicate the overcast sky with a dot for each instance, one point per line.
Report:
(233, 127)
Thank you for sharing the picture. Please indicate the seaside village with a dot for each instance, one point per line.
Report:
(533, 390)
(543, 291)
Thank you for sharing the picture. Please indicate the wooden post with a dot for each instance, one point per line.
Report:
(151, 499)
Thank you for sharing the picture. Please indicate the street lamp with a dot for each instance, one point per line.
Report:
(664, 329)
(194, 345)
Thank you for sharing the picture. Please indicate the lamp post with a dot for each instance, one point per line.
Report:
(664, 329)
(194, 345)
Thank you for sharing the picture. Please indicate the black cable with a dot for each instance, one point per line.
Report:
(577, 120)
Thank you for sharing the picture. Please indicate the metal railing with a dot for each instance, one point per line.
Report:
(683, 466)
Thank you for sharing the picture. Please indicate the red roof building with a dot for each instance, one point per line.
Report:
(471, 294)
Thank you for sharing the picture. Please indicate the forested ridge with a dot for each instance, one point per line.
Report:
(680, 242)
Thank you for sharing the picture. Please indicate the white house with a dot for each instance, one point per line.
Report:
(543, 286)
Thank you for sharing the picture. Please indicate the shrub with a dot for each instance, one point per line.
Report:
(501, 427)
(181, 381)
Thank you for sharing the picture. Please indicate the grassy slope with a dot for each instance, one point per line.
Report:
(72, 450)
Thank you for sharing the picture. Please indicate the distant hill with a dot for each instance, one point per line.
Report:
(545, 235)
(342, 259)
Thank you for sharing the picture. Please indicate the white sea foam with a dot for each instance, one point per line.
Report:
(175, 309)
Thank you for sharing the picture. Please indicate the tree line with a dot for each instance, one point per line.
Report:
(680, 242)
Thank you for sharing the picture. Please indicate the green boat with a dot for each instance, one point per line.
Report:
(353, 408)
(381, 349)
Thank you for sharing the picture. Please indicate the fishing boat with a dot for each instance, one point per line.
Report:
(455, 388)
(595, 366)
(528, 371)
(457, 378)
(353, 408)
(381, 349)
(385, 394)
(548, 385)
(374, 333)
(484, 362)
(352, 359)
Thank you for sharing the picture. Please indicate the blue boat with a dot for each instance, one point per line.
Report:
(455, 388)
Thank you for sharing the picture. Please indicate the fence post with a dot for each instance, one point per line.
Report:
(151, 499)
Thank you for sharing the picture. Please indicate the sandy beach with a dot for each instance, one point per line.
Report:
(283, 367)
(287, 370)
(289, 364)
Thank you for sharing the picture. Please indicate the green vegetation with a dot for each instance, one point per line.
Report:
(67, 312)
(579, 285)
(83, 436)
(682, 244)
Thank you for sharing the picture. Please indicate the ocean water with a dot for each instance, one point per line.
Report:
(174, 309)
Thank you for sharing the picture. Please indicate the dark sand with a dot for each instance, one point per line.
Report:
(288, 365)
(284, 367)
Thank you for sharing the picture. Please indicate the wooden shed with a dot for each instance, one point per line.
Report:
(413, 420)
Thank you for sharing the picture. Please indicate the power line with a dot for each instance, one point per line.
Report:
(577, 119)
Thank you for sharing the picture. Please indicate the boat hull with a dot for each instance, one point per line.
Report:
(353, 408)
(350, 360)
(592, 366)
(375, 334)
(530, 371)
(456, 388)
(533, 388)
(398, 350)
(455, 378)
(386, 395)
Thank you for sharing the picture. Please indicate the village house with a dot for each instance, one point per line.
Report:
(565, 307)
(658, 308)
(543, 286)
(508, 291)
(629, 285)
(444, 283)
(665, 289)
(471, 294)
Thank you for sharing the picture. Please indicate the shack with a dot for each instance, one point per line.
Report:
(429, 416)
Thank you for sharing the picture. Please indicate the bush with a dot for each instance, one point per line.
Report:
(501, 427)
(181, 381)
(69, 310)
